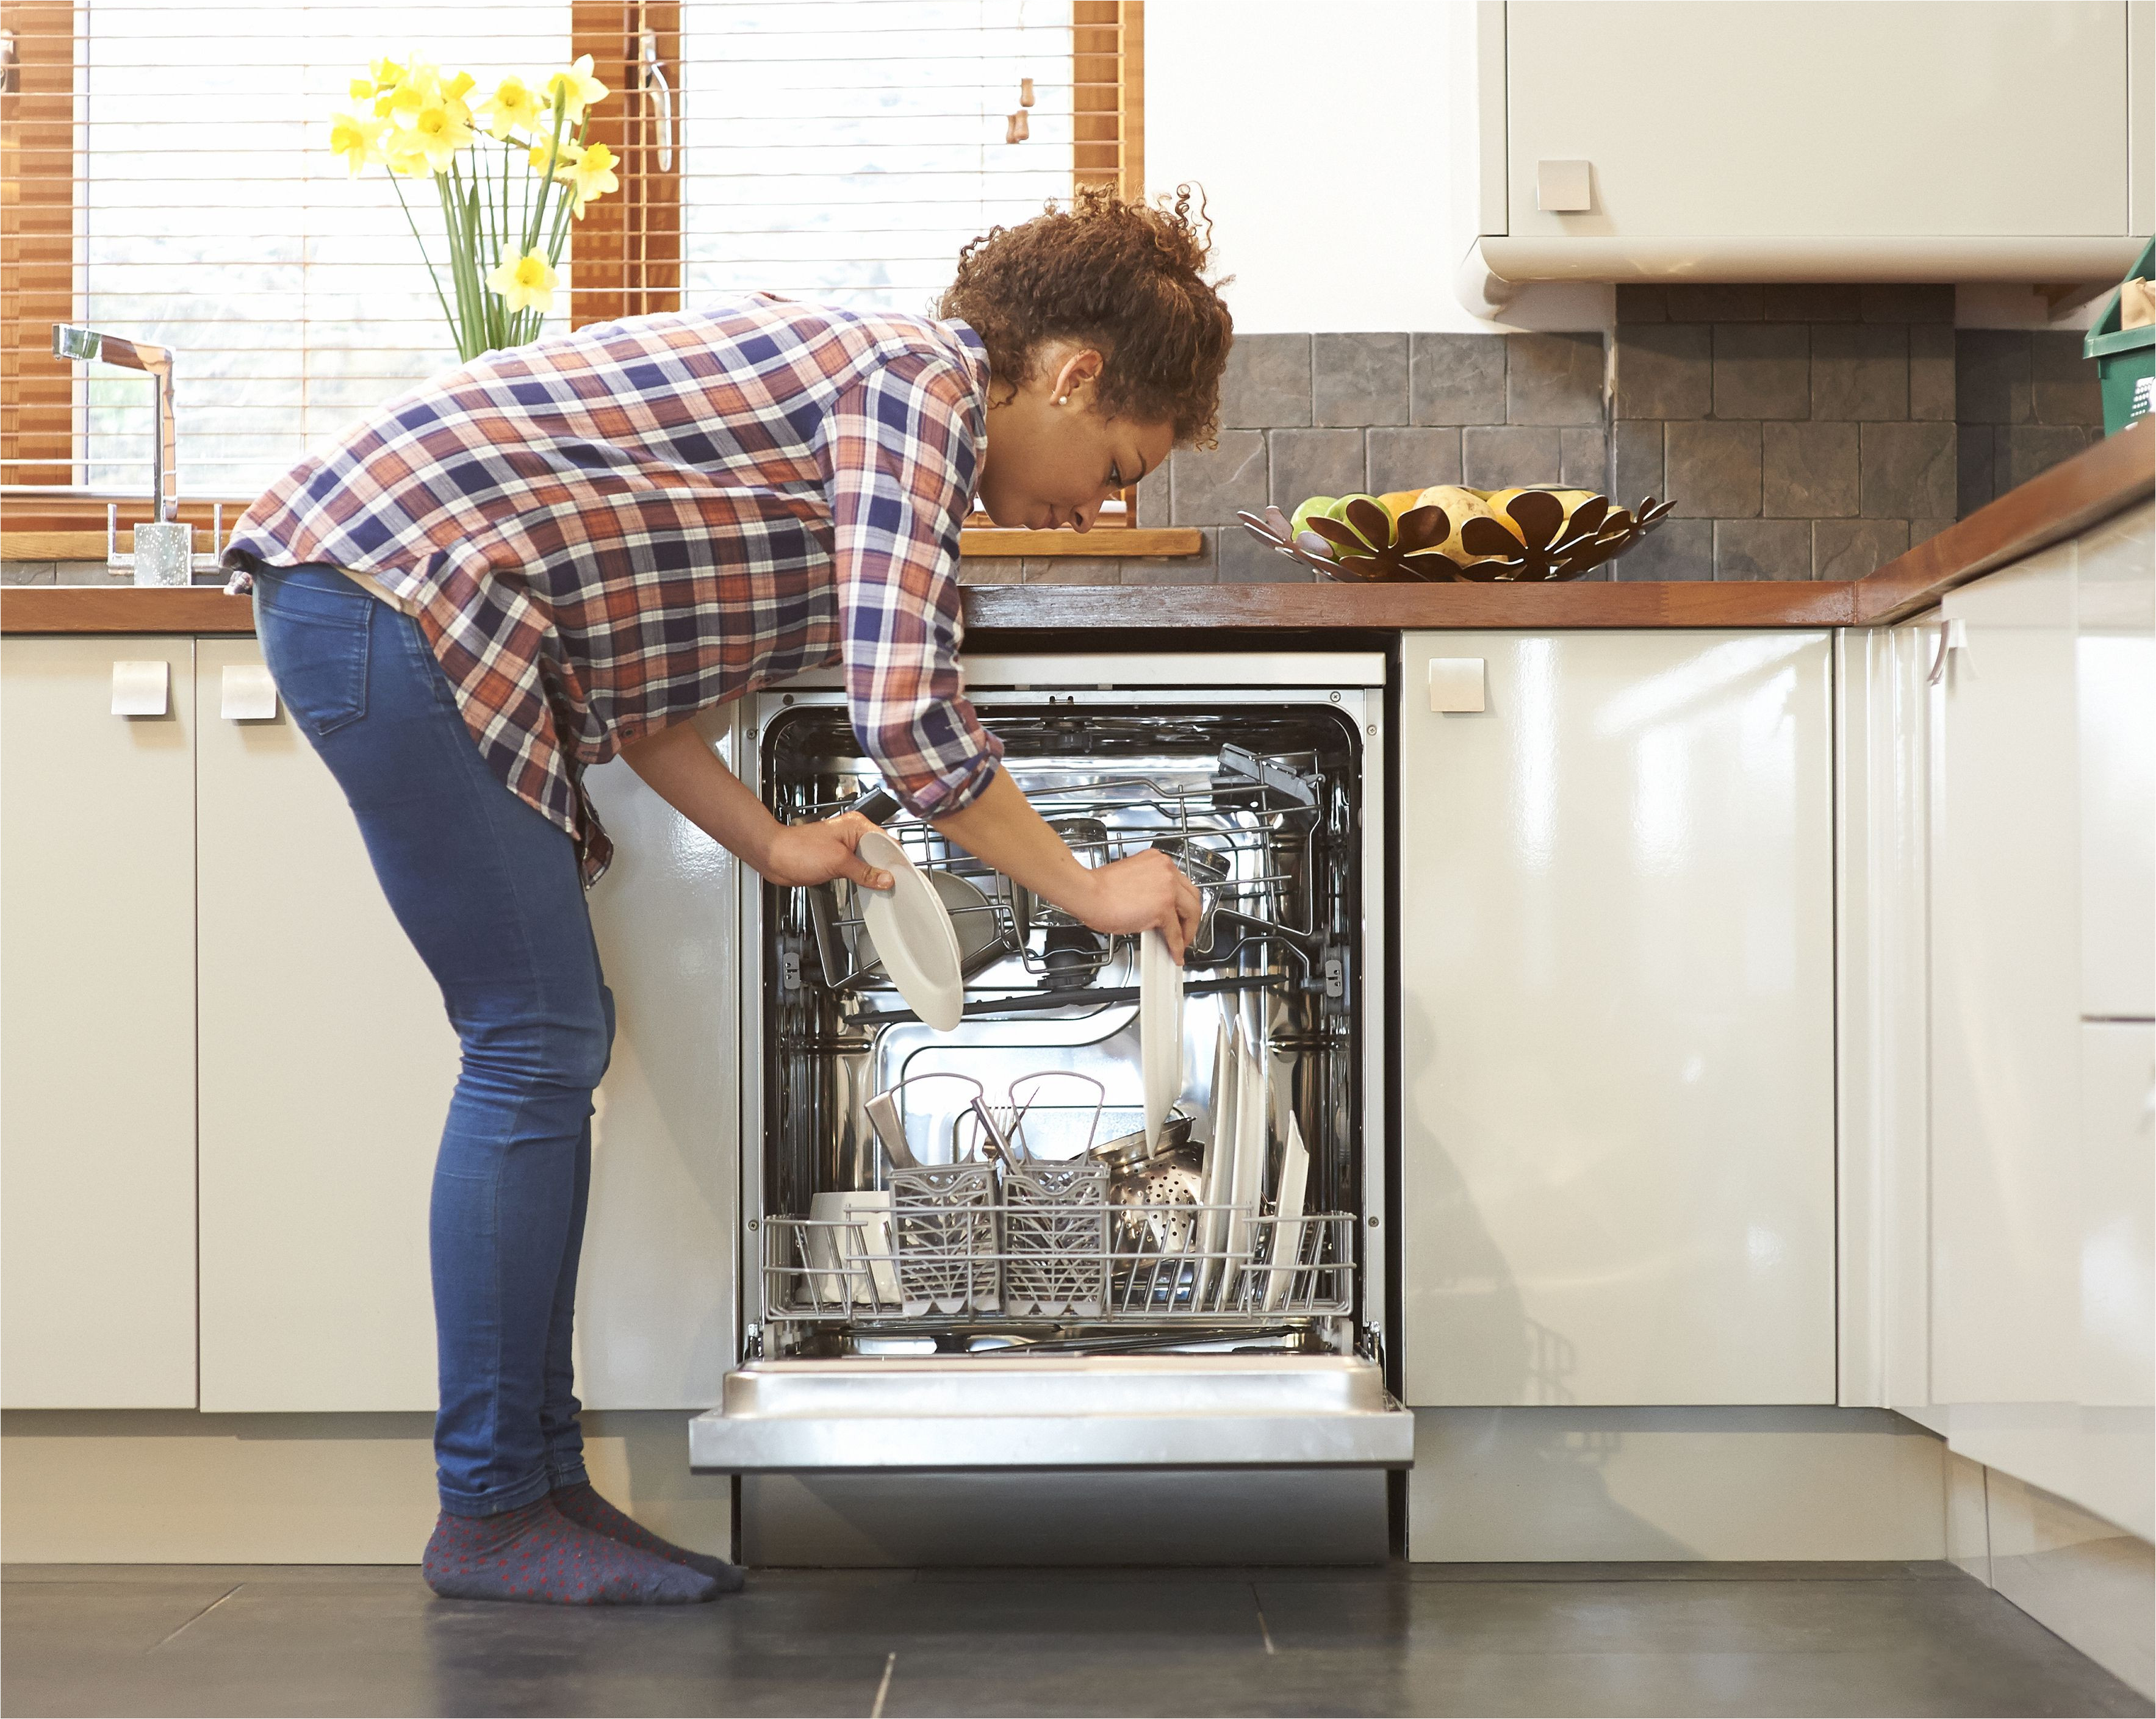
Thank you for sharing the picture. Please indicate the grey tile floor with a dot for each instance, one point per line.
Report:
(1859, 1639)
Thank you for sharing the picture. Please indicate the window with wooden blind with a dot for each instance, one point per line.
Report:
(166, 179)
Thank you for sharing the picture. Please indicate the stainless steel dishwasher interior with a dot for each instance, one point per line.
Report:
(1262, 803)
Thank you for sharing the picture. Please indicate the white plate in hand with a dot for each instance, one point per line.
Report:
(1160, 1030)
(913, 934)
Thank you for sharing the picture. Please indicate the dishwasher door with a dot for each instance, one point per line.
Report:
(1008, 1412)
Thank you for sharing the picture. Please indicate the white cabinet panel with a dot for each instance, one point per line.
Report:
(655, 1314)
(1981, 118)
(1617, 950)
(2115, 672)
(1883, 1018)
(2118, 1209)
(327, 1065)
(97, 1038)
(2005, 937)
(327, 1070)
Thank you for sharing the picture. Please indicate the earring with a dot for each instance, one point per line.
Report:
(1063, 400)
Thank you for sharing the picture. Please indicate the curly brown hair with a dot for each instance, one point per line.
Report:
(1120, 276)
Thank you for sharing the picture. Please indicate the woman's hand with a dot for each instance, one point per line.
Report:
(1146, 892)
(816, 853)
(684, 769)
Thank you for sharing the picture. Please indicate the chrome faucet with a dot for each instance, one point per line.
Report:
(164, 549)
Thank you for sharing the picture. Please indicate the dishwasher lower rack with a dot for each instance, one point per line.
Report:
(960, 1253)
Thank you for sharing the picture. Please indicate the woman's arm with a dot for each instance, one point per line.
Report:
(1000, 828)
(683, 770)
(1146, 892)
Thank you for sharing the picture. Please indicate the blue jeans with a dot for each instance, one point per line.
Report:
(488, 893)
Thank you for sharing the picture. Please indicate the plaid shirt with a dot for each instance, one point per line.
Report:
(606, 530)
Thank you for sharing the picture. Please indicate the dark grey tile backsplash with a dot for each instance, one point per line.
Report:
(1803, 431)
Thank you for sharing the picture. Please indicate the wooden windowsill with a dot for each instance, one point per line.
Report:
(1115, 540)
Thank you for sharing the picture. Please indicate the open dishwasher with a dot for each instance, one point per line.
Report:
(963, 1255)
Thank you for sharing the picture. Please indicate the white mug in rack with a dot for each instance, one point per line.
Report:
(848, 1231)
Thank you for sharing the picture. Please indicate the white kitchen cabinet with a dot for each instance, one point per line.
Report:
(1963, 140)
(655, 1312)
(2005, 942)
(2041, 1065)
(2115, 677)
(327, 1065)
(327, 1069)
(97, 1038)
(1883, 1017)
(2118, 1206)
(1617, 1021)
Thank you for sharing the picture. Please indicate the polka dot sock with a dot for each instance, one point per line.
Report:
(584, 1506)
(538, 1555)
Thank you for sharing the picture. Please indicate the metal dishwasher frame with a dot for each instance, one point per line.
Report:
(780, 1417)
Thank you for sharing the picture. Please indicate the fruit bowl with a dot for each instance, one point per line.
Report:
(1447, 532)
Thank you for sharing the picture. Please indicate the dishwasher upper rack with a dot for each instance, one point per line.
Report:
(1250, 865)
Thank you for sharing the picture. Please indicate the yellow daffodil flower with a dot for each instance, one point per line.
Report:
(440, 133)
(453, 96)
(359, 142)
(514, 105)
(591, 174)
(405, 102)
(577, 88)
(404, 153)
(525, 282)
(385, 74)
(564, 157)
(361, 89)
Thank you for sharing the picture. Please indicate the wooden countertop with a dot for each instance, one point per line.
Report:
(2072, 496)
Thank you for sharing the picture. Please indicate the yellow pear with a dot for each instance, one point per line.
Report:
(1460, 505)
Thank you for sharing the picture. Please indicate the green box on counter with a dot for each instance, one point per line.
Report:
(2125, 357)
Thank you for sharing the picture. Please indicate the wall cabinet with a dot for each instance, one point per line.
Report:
(203, 869)
(1617, 1050)
(2003, 140)
(97, 1038)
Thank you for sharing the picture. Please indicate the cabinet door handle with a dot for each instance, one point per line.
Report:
(247, 694)
(1953, 635)
(141, 689)
(1458, 685)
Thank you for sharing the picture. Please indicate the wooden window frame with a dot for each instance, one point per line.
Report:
(626, 259)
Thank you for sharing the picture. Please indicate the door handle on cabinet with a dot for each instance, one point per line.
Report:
(1953, 635)
(141, 689)
(247, 694)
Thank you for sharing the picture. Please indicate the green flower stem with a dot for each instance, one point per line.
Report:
(463, 323)
(433, 280)
(471, 294)
(502, 238)
(546, 178)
